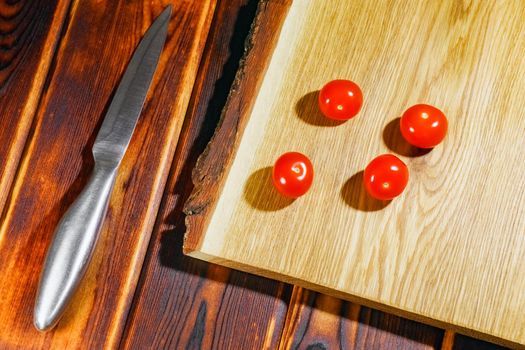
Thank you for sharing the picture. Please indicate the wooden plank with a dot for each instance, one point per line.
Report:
(182, 302)
(29, 31)
(448, 340)
(449, 250)
(93, 53)
(318, 321)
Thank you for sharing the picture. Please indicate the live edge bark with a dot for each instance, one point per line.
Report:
(213, 165)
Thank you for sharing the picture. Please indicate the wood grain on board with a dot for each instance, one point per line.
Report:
(93, 53)
(182, 302)
(449, 250)
(29, 32)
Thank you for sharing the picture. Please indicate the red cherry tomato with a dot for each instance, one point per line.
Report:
(385, 177)
(340, 99)
(293, 174)
(423, 126)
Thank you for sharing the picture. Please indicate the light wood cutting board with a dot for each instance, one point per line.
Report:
(451, 249)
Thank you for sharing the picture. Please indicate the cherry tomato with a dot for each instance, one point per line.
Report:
(385, 177)
(293, 174)
(340, 99)
(423, 126)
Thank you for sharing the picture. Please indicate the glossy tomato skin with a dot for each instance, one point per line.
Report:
(424, 126)
(340, 99)
(293, 174)
(385, 177)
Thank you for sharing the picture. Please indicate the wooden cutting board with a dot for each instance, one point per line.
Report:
(449, 251)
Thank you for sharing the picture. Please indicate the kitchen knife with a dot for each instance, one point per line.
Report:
(77, 232)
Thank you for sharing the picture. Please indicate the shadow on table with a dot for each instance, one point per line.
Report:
(205, 119)
(366, 328)
(358, 326)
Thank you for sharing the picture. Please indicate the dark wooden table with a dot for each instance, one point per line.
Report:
(179, 302)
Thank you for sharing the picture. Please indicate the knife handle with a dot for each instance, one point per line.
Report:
(73, 244)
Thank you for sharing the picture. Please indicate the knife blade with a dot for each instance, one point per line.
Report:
(77, 232)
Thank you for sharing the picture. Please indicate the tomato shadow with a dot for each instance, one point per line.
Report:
(355, 195)
(260, 193)
(307, 109)
(395, 141)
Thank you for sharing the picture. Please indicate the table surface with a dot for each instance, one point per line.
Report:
(179, 302)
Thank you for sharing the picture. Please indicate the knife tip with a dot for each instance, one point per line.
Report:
(163, 19)
(167, 11)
